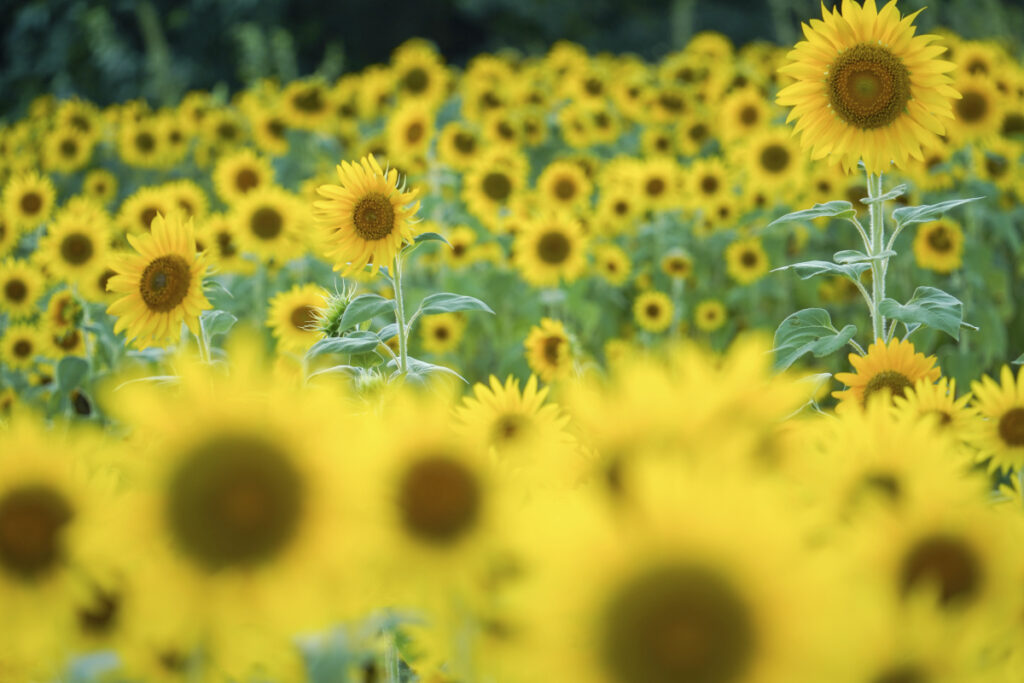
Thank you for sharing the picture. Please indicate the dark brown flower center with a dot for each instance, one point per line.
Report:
(904, 673)
(439, 499)
(374, 217)
(226, 244)
(309, 100)
(414, 133)
(68, 148)
(303, 317)
(677, 623)
(749, 115)
(76, 248)
(145, 142)
(101, 615)
(31, 203)
(552, 350)
(896, 382)
(497, 186)
(416, 80)
(465, 143)
(868, 86)
(775, 158)
(234, 500)
(1011, 427)
(709, 184)
(655, 187)
(32, 518)
(147, 215)
(266, 223)
(939, 239)
(946, 561)
(565, 189)
(15, 291)
(972, 107)
(23, 348)
(246, 179)
(553, 248)
(748, 259)
(165, 283)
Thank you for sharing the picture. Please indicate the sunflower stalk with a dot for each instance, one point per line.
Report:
(878, 265)
(403, 342)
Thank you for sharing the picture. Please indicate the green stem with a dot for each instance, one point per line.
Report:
(403, 344)
(878, 266)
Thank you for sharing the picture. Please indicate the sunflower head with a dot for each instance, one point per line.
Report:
(867, 87)
(366, 219)
(891, 368)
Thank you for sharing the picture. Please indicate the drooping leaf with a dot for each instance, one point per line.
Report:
(420, 371)
(808, 331)
(834, 209)
(928, 306)
(847, 256)
(365, 307)
(360, 341)
(446, 302)
(908, 215)
(895, 192)
(431, 237)
(808, 269)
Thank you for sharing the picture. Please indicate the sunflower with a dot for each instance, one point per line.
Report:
(709, 315)
(66, 151)
(746, 260)
(743, 112)
(419, 71)
(772, 159)
(293, 316)
(28, 200)
(19, 346)
(76, 242)
(705, 181)
(491, 183)
(410, 129)
(21, 285)
(892, 367)
(694, 132)
(218, 236)
(978, 111)
(367, 218)
(238, 173)
(100, 185)
(269, 223)
(938, 403)
(564, 185)
(1001, 434)
(550, 249)
(63, 311)
(548, 350)
(939, 245)
(866, 87)
(659, 180)
(269, 131)
(457, 145)
(677, 264)
(612, 262)
(176, 137)
(657, 141)
(618, 208)
(653, 311)
(161, 284)
(462, 238)
(140, 144)
(997, 161)
(442, 333)
(82, 116)
(188, 197)
(305, 104)
(136, 214)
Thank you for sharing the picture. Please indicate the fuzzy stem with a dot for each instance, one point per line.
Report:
(403, 344)
(878, 266)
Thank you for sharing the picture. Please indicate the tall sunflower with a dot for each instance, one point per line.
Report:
(892, 367)
(367, 218)
(867, 87)
(161, 284)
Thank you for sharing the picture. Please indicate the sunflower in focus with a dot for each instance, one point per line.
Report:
(293, 317)
(1001, 434)
(939, 245)
(867, 87)
(160, 284)
(548, 350)
(551, 249)
(366, 219)
(892, 367)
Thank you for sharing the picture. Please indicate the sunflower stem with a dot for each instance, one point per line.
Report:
(403, 343)
(878, 266)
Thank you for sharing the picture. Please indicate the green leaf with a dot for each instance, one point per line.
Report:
(908, 215)
(388, 331)
(808, 331)
(853, 256)
(70, 373)
(928, 306)
(359, 341)
(365, 307)
(895, 192)
(216, 323)
(431, 237)
(808, 269)
(420, 370)
(835, 209)
(1019, 361)
(446, 302)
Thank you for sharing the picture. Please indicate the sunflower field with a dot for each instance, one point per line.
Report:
(570, 367)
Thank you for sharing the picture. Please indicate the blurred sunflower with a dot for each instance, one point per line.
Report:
(551, 249)
(746, 260)
(367, 218)
(28, 199)
(269, 223)
(293, 316)
(867, 87)
(709, 315)
(19, 345)
(65, 150)
(939, 245)
(892, 367)
(238, 173)
(77, 242)
(410, 130)
(442, 333)
(136, 213)
(564, 185)
(612, 263)
(160, 284)
(653, 311)
(100, 185)
(21, 285)
(1001, 434)
(548, 350)
(677, 264)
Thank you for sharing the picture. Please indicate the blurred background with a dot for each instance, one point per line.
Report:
(112, 50)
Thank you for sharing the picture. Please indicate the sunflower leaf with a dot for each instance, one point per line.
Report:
(847, 256)
(388, 331)
(928, 306)
(808, 331)
(70, 372)
(360, 341)
(365, 307)
(419, 370)
(215, 323)
(835, 209)
(431, 237)
(908, 215)
(895, 192)
(808, 269)
(1019, 360)
(446, 302)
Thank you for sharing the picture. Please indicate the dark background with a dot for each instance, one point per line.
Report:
(112, 50)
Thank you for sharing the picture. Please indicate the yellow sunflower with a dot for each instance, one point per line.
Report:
(457, 145)
(978, 111)
(442, 333)
(19, 346)
(160, 284)
(28, 200)
(551, 249)
(218, 236)
(709, 315)
(653, 311)
(21, 285)
(492, 182)
(746, 260)
(548, 350)
(939, 245)
(137, 212)
(305, 104)
(101, 185)
(367, 218)
(410, 130)
(238, 173)
(188, 197)
(939, 404)
(867, 87)
(419, 71)
(677, 264)
(706, 181)
(564, 185)
(1001, 434)
(743, 112)
(269, 223)
(613, 263)
(140, 144)
(293, 316)
(77, 242)
(63, 311)
(66, 151)
(892, 367)
(772, 159)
